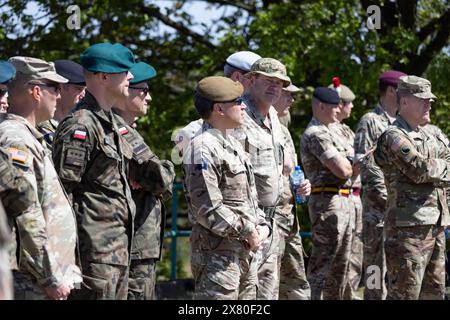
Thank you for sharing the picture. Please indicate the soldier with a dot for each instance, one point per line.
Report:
(6, 284)
(7, 72)
(370, 128)
(91, 158)
(348, 136)
(46, 230)
(325, 162)
(227, 227)
(293, 282)
(151, 180)
(262, 137)
(236, 66)
(416, 171)
(71, 93)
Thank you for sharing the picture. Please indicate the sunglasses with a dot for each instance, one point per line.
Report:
(56, 87)
(143, 90)
(3, 91)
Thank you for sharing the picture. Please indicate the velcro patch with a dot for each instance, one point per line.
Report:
(139, 148)
(398, 143)
(75, 157)
(18, 156)
(123, 130)
(79, 134)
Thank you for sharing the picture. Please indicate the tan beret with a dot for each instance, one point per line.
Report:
(219, 89)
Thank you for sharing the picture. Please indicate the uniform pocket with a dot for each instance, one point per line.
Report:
(223, 271)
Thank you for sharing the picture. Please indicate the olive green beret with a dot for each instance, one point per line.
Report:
(107, 57)
(219, 89)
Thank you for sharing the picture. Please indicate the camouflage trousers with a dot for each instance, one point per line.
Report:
(224, 277)
(356, 255)
(142, 280)
(374, 257)
(415, 259)
(27, 288)
(6, 283)
(291, 266)
(102, 282)
(268, 277)
(331, 224)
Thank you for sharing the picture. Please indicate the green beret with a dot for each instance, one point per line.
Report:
(107, 57)
(219, 89)
(141, 72)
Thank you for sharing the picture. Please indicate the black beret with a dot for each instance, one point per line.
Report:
(326, 95)
(71, 71)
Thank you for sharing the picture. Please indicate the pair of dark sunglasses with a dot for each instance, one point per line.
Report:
(56, 87)
(143, 90)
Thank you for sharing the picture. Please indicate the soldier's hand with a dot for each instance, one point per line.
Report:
(59, 293)
(264, 232)
(288, 166)
(305, 188)
(253, 240)
(134, 185)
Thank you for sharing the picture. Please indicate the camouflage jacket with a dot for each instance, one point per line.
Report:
(48, 129)
(155, 178)
(220, 187)
(369, 129)
(347, 137)
(91, 158)
(265, 147)
(317, 145)
(416, 171)
(47, 229)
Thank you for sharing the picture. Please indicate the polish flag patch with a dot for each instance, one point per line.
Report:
(79, 134)
(123, 130)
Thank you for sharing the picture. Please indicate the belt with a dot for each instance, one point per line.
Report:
(269, 211)
(336, 190)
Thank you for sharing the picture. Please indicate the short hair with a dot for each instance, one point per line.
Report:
(204, 106)
(401, 95)
(383, 86)
(228, 70)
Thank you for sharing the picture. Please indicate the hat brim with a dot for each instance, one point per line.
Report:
(425, 95)
(292, 88)
(286, 80)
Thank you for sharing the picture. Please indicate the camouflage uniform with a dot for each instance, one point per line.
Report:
(370, 128)
(155, 178)
(265, 147)
(356, 256)
(47, 229)
(17, 195)
(330, 213)
(220, 190)
(293, 282)
(416, 169)
(48, 129)
(92, 158)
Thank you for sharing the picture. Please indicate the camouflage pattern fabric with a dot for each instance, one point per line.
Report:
(415, 163)
(374, 196)
(154, 179)
(331, 215)
(265, 147)
(220, 191)
(47, 229)
(92, 159)
(6, 284)
(48, 129)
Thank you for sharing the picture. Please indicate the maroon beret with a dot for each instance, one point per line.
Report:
(391, 77)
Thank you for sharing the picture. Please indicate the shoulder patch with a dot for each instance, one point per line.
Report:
(123, 130)
(398, 143)
(79, 135)
(18, 156)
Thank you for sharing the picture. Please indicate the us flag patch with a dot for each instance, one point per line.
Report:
(123, 130)
(18, 155)
(79, 134)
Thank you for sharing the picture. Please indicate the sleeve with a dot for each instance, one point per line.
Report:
(72, 147)
(16, 193)
(403, 154)
(206, 201)
(35, 256)
(322, 147)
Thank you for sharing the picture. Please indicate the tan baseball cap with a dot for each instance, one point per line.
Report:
(416, 86)
(271, 68)
(36, 69)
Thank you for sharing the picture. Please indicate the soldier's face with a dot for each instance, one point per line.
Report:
(345, 109)
(419, 109)
(50, 95)
(139, 99)
(71, 94)
(266, 89)
(118, 83)
(3, 98)
(330, 113)
(233, 113)
(284, 103)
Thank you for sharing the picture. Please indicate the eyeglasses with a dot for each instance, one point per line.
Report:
(143, 90)
(3, 92)
(56, 87)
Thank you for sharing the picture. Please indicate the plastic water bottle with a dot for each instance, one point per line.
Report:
(297, 178)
